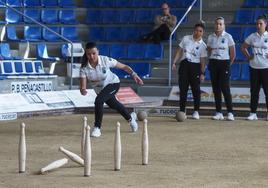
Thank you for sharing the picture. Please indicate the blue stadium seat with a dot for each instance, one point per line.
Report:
(126, 16)
(113, 34)
(207, 74)
(179, 14)
(123, 3)
(29, 67)
(244, 72)
(253, 3)
(247, 31)
(67, 3)
(18, 65)
(155, 3)
(70, 33)
(144, 30)
(235, 71)
(91, 3)
(14, 3)
(67, 17)
(258, 12)
(49, 36)
(43, 54)
(94, 16)
(96, 34)
(118, 51)
(139, 3)
(11, 33)
(236, 33)
(144, 16)
(130, 33)
(142, 69)
(107, 3)
(186, 3)
(38, 66)
(154, 51)
(2, 4)
(136, 51)
(110, 16)
(31, 3)
(120, 73)
(8, 68)
(5, 51)
(32, 34)
(12, 16)
(32, 13)
(50, 16)
(265, 4)
(49, 3)
(104, 49)
(239, 55)
(244, 17)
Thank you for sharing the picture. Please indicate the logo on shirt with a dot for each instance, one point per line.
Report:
(103, 69)
(265, 40)
(222, 40)
(197, 48)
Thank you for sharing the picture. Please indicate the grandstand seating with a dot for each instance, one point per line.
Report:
(5, 52)
(50, 16)
(118, 51)
(67, 17)
(11, 34)
(253, 3)
(236, 33)
(244, 16)
(12, 17)
(70, 33)
(31, 3)
(14, 3)
(66, 3)
(32, 33)
(244, 72)
(49, 36)
(49, 3)
(32, 13)
(235, 71)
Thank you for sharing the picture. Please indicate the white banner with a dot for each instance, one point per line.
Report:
(239, 95)
(31, 86)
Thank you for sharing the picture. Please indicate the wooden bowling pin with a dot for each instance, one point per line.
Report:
(72, 156)
(22, 149)
(117, 148)
(87, 153)
(54, 165)
(145, 143)
(83, 136)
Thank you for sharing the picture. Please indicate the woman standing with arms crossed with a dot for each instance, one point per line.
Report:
(221, 52)
(192, 54)
(96, 68)
(258, 64)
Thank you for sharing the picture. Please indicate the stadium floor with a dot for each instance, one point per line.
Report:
(192, 153)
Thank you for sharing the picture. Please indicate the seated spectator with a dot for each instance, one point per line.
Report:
(163, 25)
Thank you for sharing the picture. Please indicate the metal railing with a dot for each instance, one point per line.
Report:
(172, 33)
(44, 26)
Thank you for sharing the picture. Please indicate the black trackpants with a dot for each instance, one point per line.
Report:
(189, 75)
(258, 79)
(157, 35)
(107, 95)
(220, 80)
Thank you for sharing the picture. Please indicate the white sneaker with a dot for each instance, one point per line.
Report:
(133, 123)
(195, 115)
(252, 116)
(218, 116)
(230, 116)
(96, 132)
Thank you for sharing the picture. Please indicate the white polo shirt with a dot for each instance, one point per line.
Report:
(100, 76)
(193, 50)
(259, 45)
(220, 45)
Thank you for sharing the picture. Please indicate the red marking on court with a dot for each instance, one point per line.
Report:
(126, 95)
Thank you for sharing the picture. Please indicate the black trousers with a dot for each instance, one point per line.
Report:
(220, 80)
(107, 95)
(258, 79)
(157, 35)
(189, 75)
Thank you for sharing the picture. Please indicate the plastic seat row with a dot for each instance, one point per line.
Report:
(136, 3)
(132, 51)
(47, 16)
(240, 33)
(142, 69)
(238, 72)
(255, 3)
(126, 16)
(36, 34)
(39, 3)
(117, 33)
(245, 16)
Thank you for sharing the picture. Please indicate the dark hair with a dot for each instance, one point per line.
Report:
(219, 18)
(200, 24)
(84, 59)
(264, 18)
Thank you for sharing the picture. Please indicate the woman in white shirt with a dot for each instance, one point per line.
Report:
(221, 52)
(96, 68)
(258, 64)
(192, 54)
